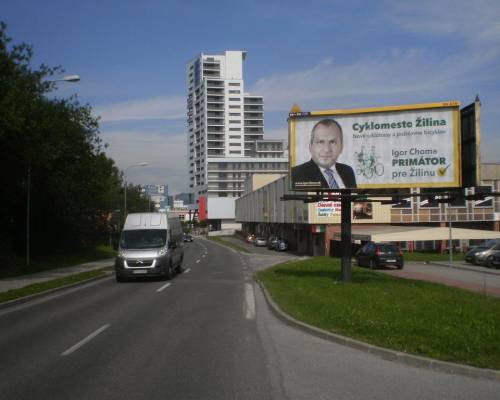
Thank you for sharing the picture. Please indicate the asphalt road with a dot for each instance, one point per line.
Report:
(207, 334)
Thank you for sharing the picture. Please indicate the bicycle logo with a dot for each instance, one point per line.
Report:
(368, 164)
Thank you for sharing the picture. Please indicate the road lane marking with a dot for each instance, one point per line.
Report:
(86, 340)
(187, 270)
(203, 256)
(249, 306)
(163, 287)
(197, 261)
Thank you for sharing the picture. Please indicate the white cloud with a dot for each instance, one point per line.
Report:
(172, 107)
(164, 153)
(474, 22)
(414, 72)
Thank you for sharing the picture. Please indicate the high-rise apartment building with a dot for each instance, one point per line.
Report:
(158, 196)
(226, 129)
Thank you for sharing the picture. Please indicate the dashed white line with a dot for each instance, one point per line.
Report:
(187, 271)
(87, 339)
(197, 261)
(163, 287)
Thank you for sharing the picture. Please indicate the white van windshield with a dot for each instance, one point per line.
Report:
(143, 238)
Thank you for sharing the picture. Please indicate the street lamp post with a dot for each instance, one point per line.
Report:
(143, 164)
(69, 78)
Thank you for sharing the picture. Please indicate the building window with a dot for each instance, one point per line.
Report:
(234, 84)
(235, 129)
(234, 136)
(235, 144)
(235, 121)
(234, 106)
(234, 92)
(234, 152)
(235, 114)
(234, 99)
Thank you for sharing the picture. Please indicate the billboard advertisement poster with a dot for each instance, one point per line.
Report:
(386, 147)
(362, 210)
(328, 208)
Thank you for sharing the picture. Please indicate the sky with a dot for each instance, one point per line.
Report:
(320, 54)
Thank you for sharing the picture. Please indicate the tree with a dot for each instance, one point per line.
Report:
(74, 185)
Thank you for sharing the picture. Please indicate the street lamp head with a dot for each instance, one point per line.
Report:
(71, 78)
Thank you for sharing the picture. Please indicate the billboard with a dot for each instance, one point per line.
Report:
(386, 147)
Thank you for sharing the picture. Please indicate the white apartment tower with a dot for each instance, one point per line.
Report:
(225, 128)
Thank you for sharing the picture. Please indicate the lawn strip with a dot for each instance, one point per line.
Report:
(52, 284)
(11, 267)
(421, 318)
(220, 239)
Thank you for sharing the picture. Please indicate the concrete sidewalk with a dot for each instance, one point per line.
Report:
(18, 282)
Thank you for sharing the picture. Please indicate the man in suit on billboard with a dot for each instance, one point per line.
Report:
(323, 171)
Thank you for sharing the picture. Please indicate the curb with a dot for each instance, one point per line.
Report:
(25, 299)
(387, 354)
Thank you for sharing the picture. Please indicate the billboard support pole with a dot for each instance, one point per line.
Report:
(346, 235)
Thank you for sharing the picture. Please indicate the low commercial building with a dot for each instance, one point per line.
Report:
(418, 221)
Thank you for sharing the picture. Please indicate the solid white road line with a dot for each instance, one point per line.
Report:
(249, 306)
(163, 287)
(87, 339)
(187, 270)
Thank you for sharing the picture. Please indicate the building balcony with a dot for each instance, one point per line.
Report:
(211, 74)
(216, 137)
(252, 123)
(215, 99)
(215, 114)
(249, 108)
(254, 116)
(215, 84)
(253, 100)
(212, 91)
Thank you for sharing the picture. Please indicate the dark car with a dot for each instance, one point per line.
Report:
(469, 256)
(271, 242)
(187, 238)
(375, 255)
(281, 245)
(493, 261)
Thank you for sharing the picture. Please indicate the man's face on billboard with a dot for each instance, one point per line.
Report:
(326, 145)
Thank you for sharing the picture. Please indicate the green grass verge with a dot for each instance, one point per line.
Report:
(225, 240)
(52, 284)
(416, 317)
(11, 267)
(430, 256)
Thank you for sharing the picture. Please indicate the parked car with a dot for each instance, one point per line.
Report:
(481, 256)
(260, 241)
(493, 260)
(187, 238)
(375, 255)
(271, 241)
(281, 245)
(469, 256)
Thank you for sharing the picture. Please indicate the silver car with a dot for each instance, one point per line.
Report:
(260, 241)
(481, 256)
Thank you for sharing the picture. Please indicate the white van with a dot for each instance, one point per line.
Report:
(150, 245)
